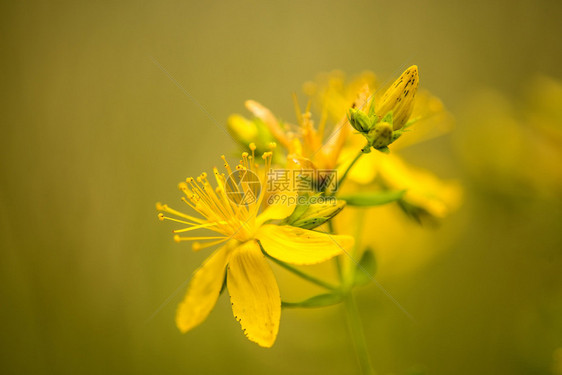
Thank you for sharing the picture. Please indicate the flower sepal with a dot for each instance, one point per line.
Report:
(311, 215)
(378, 132)
(361, 121)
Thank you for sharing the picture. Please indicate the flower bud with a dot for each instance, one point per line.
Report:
(359, 120)
(318, 213)
(243, 130)
(380, 135)
(399, 98)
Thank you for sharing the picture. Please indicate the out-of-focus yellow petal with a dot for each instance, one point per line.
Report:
(254, 294)
(242, 129)
(301, 246)
(270, 121)
(432, 120)
(203, 290)
(332, 94)
(423, 189)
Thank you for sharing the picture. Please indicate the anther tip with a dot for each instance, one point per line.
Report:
(177, 238)
(161, 216)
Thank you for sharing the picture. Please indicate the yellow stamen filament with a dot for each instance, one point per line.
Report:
(162, 218)
(165, 208)
(198, 246)
(178, 238)
(202, 226)
(219, 213)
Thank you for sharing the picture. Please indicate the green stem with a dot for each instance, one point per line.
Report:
(337, 261)
(301, 274)
(339, 267)
(350, 271)
(331, 226)
(357, 335)
(342, 179)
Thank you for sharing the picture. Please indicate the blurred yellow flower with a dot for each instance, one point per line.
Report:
(253, 290)
(515, 148)
(424, 191)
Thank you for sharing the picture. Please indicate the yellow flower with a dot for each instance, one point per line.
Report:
(253, 290)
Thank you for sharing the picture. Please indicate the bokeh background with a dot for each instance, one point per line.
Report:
(94, 133)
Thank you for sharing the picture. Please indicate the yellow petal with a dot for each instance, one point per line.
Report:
(283, 205)
(301, 246)
(254, 294)
(203, 291)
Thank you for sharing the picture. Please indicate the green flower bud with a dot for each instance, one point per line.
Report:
(318, 213)
(380, 135)
(359, 120)
(399, 98)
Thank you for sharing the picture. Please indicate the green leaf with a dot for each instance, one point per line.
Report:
(372, 108)
(418, 214)
(320, 300)
(365, 269)
(372, 198)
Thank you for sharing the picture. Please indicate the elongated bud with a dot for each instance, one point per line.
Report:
(399, 98)
(243, 130)
(359, 120)
(318, 213)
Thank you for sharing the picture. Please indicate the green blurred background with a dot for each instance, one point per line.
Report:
(94, 133)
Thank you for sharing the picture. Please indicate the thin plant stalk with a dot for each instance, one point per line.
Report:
(357, 335)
